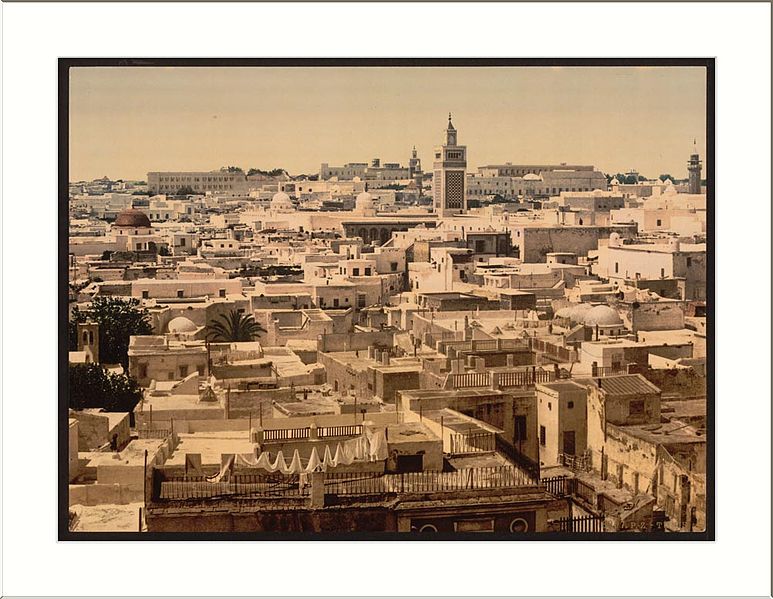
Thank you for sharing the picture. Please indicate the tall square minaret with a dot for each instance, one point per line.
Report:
(449, 174)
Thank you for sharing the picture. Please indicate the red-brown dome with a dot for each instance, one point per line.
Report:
(132, 218)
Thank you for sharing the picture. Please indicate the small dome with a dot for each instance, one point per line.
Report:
(614, 181)
(132, 218)
(181, 325)
(575, 312)
(364, 201)
(603, 316)
(281, 201)
(614, 239)
(531, 177)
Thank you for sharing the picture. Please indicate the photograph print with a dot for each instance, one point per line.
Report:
(386, 299)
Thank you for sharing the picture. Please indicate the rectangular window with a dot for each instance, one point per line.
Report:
(520, 428)
(636, 407)
(145, 294)
(542, 435)
(221, 292)
(183, 371)
(474, 525)
(335, 303)
(356, 272)
(617, 267)
(180, 293)
(689, 262)
(142, 371)
(658, 223)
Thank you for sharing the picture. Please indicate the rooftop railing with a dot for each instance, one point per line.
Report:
(263, 485)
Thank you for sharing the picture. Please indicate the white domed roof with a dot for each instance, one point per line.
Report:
(531, 177)
(574, 312)
(603, 316)
(181, 325)
(364, 201)
(614, 181)
(281, 200)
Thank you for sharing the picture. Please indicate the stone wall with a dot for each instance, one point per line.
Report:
(375, 519)
(683, 381)
(355, 341)
(537, 242)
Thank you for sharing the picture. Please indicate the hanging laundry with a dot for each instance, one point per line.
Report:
(315, 463)
(247, 459)
(328, 460)
(225, 471)
(295, 464)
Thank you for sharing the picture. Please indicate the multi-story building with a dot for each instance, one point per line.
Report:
(198, 181)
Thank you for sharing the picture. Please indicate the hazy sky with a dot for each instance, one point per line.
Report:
(127, 121)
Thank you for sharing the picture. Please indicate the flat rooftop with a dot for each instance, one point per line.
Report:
(674, 432)
(133, 454)
(410, 432)
(210, 444)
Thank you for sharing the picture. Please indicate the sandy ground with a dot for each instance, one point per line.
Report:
(107, 517)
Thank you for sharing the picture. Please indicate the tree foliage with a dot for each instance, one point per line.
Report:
(118, 320)
(91, 386)
(233, 327)
(275, 172)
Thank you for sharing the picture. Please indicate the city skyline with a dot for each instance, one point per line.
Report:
(125, 122)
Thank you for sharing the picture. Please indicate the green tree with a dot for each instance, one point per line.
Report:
(234, 327)
(665, 176)
(91, 386)
(118, 320)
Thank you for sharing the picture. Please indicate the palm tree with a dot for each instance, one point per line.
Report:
(234, 326)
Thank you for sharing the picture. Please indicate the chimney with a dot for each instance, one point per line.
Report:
(385, 358)
(480, 365)
(371, 352)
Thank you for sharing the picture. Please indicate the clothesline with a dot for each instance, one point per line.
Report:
(371, 446)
